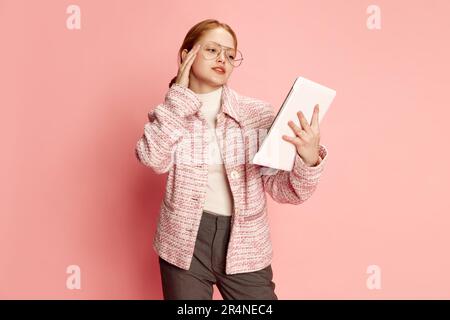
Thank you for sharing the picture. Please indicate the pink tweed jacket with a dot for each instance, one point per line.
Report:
(175, 141)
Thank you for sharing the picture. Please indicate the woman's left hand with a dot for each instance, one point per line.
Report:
(306, 138)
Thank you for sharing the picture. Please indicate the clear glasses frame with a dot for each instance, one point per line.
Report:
(236, 61)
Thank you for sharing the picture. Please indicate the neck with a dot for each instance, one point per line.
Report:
(201, 86)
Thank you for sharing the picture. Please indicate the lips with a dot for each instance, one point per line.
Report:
(219, 69)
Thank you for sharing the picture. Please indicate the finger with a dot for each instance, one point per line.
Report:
(297, 130)
(294, 140)
(193, 54)
(193, 50)
(186, 64)
(186, 60)
(315, 117)
(189, 59)
(189, 63)
(304, 123)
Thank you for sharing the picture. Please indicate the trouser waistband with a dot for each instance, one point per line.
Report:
(216, 220)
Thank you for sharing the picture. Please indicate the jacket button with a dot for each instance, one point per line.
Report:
(234, 174)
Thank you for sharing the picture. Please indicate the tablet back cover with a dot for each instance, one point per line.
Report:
(277, 153)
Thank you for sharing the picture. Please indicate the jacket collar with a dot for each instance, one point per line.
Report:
(230, 104)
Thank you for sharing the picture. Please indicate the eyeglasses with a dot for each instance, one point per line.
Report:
(211, 50)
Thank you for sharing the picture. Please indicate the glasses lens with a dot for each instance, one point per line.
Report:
(211, 50)
(234, 56)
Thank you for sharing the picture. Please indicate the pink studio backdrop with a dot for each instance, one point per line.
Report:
(74, 103)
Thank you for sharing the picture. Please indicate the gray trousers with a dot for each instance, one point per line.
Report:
(208, 268)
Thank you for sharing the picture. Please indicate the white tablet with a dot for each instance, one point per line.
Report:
(274, 151)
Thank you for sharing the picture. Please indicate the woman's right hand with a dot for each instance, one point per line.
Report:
(184, 68)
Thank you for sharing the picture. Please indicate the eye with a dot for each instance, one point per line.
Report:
(231, 57)
(213, 50)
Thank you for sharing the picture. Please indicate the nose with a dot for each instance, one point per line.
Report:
(220, 56)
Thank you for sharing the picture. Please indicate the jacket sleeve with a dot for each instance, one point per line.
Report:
(297, 185)
(166, 127)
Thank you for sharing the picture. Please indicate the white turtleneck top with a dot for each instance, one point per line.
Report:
(219, 198)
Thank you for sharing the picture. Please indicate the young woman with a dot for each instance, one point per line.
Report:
(213, 226)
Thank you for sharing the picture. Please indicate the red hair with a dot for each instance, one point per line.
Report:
(197, 31)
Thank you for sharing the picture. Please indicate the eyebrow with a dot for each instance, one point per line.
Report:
(221, 45)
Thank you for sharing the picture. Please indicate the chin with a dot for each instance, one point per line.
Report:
(216, 82)
(220, 82)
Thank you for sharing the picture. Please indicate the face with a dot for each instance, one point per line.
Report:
(203, 78)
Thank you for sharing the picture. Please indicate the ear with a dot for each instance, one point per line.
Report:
(183, 55)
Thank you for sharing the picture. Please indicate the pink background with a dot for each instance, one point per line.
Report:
(74, 103)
